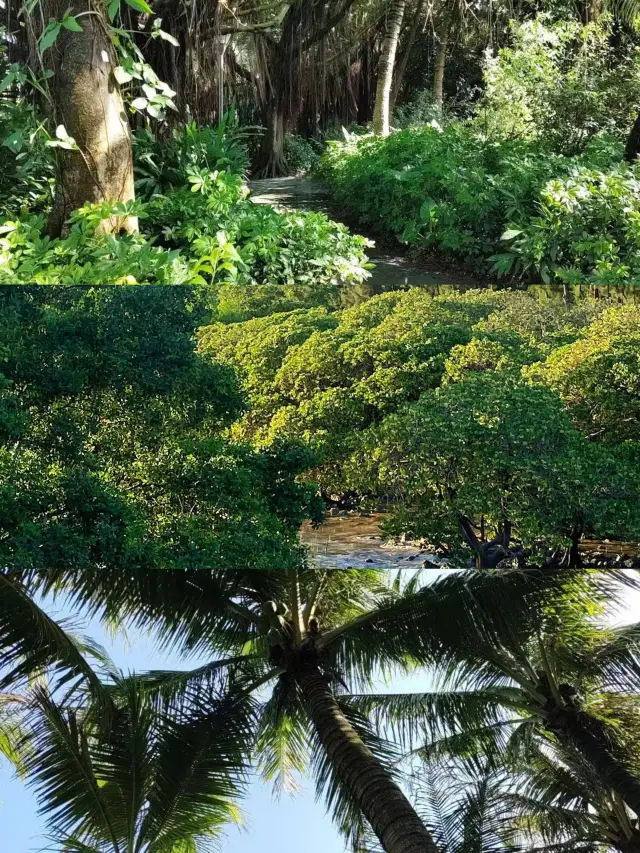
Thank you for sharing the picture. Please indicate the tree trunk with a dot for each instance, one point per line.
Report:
(406, 54)
(580, 730)
(392, 818)
(89, 105)
(441, 59)
(385, 68)
(632, 148)
(272, 161)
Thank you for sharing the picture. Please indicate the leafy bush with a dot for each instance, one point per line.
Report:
(502, 206)
(26, 163)
(587, 229)
(323, 377)
(162, 164)
(302, 154)
(113, 450)
(491, 460)
(420, 110)
(207, 232)
(28, 256)
(598, 376)
(455, 405)
(561, 84)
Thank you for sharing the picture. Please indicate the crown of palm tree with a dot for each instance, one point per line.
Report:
(123, 778)
(302, 641)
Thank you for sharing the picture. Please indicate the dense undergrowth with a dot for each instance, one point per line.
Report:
(484, 418)
(197, 223)
(534, 186)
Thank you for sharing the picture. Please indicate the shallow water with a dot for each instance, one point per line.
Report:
(355, 542)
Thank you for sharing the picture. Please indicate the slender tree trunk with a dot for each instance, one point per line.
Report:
(392, 818)
(406, 54)
(578, 729)
(89, 105)
(632, 148)
(385, 68)
(441, 59)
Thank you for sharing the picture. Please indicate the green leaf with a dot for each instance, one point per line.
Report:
(139, 103)
(113, 8)
(140, 6)
(16, 141)
(50, 34)
(510, 233)
(7, 80)
(121, 75)
(70, 23)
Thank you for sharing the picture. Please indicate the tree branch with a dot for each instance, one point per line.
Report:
(328, 25)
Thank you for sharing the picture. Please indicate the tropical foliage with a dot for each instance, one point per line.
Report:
(456, 412)
(159, 758)
(113, 440)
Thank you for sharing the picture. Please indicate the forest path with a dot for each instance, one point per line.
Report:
(393, 269)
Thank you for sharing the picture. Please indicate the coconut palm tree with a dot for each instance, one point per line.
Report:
(33, 644)
(557, 802)
(574, 682)
(128, 779)
(303, 640)
(386, 67)
(533, 795)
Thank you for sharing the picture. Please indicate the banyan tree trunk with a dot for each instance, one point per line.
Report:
(392, 818)
(88, 103)
(440, 63)
(272, 162)
(385, 68)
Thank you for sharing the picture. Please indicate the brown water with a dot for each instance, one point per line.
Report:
(355, 542)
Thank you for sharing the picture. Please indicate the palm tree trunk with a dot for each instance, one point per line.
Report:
(385, 68)
(441, 58)
(392, 818)
(576, 728)
(406, 54)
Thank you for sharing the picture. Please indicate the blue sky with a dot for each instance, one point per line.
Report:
(266, 821)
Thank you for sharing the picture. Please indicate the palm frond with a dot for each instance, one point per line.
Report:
(32, 643)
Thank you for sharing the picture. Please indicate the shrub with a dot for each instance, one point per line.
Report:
(420, 110)
(113, 450)
(162, 164)
(323, 377)
(598, 376)
(209, 233)
(28, 256)
(561, 84)
(26, 163)
(489, 463)
(453, 405)
(302, 154)
(502, 206)
(587, 229)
